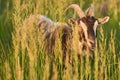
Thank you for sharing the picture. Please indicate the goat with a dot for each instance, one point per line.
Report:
(87, 26)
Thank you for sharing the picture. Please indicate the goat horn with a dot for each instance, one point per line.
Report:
(77, 9)
(91, 10)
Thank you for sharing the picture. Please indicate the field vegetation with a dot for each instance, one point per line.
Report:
(22, 52)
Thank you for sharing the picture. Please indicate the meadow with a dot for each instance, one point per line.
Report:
(22, 52)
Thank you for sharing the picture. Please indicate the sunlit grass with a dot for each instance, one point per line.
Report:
(22, 51)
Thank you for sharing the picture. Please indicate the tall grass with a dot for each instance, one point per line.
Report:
(22, 51)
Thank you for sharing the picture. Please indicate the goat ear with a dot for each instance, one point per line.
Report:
(103, 20)
(71, 21)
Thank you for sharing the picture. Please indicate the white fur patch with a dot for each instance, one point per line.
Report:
(95, 27)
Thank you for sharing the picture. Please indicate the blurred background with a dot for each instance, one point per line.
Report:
(14, 12)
